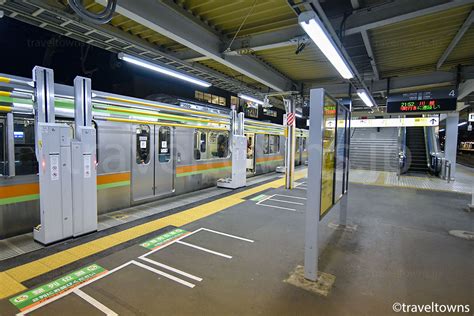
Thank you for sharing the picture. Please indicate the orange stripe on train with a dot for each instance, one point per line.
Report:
(10, 191)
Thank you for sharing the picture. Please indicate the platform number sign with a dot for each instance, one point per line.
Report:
(471, 117)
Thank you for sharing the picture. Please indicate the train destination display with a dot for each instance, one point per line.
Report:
(422, 102)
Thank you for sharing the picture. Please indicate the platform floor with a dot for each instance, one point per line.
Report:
(463, 184)
(239, 249)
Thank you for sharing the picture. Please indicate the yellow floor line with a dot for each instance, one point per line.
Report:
(14, 276)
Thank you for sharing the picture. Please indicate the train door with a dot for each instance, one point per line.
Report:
(143, 162)
(250, 152)
(164, 163)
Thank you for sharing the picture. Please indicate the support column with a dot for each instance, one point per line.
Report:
(290, 143)
(451, 143)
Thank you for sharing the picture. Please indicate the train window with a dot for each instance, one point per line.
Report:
(218, 145)
(164, 144)
(274, 144)
(200, 145)
(143, 144)
(266, 144)
(94, 125)
(298, 142)
(3, 162)
(24, 139)
(304, 143)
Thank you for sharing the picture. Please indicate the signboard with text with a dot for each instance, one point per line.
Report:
(423, 102)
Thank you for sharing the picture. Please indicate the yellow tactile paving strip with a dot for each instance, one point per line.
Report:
(10, 280)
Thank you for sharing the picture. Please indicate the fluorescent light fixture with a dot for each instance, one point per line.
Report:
(364, 96)
(249, 98)
(463, 123)
(315, 29)
(299, 115)
(163, 70)
(441, 130)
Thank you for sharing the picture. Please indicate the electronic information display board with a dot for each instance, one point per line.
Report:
(423, 102)
(335, 153)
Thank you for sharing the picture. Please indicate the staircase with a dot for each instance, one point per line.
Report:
(374, 149)
(416, 153)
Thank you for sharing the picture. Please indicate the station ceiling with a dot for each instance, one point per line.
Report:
(256, 46)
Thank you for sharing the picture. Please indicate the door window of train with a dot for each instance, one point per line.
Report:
(218, 145)
(274, 144)
(200, 145)
(298, 142)
(143, 144)
(266, 144)
(3, 162)
(164, 144)
(24, 139)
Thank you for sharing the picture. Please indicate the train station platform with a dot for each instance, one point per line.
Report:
(233, 253)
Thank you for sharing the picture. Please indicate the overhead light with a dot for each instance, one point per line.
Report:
(441, 130)
(163, 70)
(364, 96)
(249, 98)
(463, 123)
(315, 29)
(299, 115)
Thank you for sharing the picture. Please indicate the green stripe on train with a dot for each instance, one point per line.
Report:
(18, 199)
(113, 185)
(184, 174)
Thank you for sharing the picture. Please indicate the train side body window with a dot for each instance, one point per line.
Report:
(266, 144)
(218, 145)
(24, 139)
(164, 144)
(143, 144)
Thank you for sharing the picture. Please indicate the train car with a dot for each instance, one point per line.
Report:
(142, 155)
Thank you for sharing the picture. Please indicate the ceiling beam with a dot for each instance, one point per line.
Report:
(465, 89)
(370, 53)
(172, 24)
(361, 20)
(462, 30)
(395, 12)
(399, 84)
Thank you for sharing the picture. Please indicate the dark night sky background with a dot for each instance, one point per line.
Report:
(24, 46)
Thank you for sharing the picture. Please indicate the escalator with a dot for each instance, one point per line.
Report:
(415, 142)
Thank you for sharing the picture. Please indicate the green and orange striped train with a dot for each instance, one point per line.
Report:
(146, 150)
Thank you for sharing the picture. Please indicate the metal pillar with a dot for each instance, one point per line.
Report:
(451, 143)
(313, 202)
(290, 142)
(84, 173)
(53, 152)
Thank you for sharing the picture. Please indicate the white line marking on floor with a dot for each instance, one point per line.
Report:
(280, 207)
(228, 235)
(289, 202)
(298, 188)
(89, 299)
(205, 249)
(164, 266)
(293, 197)
(268, 197)
(166, 275)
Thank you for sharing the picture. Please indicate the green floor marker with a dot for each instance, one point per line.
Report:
(163, 239)
(40, 294)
